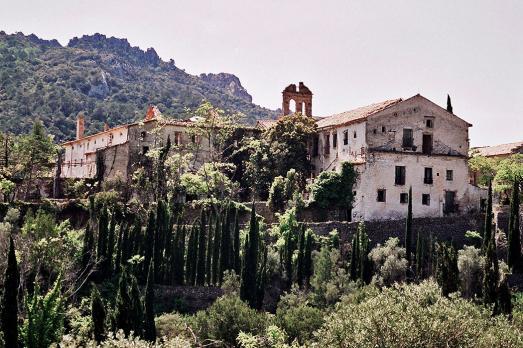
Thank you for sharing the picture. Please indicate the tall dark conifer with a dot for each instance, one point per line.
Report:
(300, 275)
(87, 247)
(149, 242)
(136, 305)
(181, 256)
(149, 326)
(248, 290)
(355, 255)
(200, 263)
(408, 230)
(420, 255)
(487, 228)
(208, 257)
(98, 314)
(123, 311)
(491, 274)
(237, 260)
(307, 263)
(216, 252)
(449, 105)
(447, 273)
(9, 317)
(365, 273)
(103, 231)
(514, 235)
(225, 252)
(111, 243)
(162, 227)
(189, 261)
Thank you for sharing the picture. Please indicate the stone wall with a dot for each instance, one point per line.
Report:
(442, 228)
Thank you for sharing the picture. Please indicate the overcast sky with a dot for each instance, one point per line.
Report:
(349, 53)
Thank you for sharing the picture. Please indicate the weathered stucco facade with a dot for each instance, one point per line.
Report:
(395, 145)
(122, 147)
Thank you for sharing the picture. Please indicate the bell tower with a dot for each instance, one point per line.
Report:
(302, 96)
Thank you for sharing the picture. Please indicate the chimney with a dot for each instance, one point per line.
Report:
(80, 126)
(150, 113)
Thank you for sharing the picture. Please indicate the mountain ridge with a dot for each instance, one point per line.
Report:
(105, 78)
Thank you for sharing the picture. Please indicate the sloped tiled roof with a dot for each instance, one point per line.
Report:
(265, 124)
(356, 115)
(499, 150)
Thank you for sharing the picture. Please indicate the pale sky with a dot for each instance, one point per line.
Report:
(349, 53)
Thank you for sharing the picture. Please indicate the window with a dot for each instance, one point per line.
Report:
(425, 199)
(429, 123)
(450, 205)
(404, 198)
(383, 129)
(375, 131)
(334, 140)
(427, 144)
(382, 195)
(315, 146)
(400, 175)
(450, 175)
(142, 135)
(408, 140)
(345, 137)
(145, 149)
(327, 144)
(428, 176)
(355, 135)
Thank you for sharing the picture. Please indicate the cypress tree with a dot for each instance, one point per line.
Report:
(364, 249)
(123, 311)
(307, 263)
(487, 228)
(98, 314)
(237, 260)
(216, 252)
(181, 256)
(355, 255)
(301, 257)
(101, 248)
(162, 227)
(110, 243)
(514, 236)
(447, 273)
(420, 256)
(490, 274)
(137, 319)
(200, 263)
(9, 318)
(288, 253)
(248, 283)
(449, 104)
(149, 326)
(122, 244)
(168, 253)
(87, 246)
(176, 266)
(149, 241)
(505, 299)
(189, 259)
(208, 259)
(261, 281)
(408, 230)
(225, 253)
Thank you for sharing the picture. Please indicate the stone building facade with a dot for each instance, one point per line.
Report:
(123, 146)
(395, 145)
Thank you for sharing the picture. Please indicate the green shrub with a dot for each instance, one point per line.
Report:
(277, 197)
(415, 316)
(297, 317)
(226, 318)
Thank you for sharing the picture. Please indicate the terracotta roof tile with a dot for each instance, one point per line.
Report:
(356, 115)
(265, 124)
(499, 150)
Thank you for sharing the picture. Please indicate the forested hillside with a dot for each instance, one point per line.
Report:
(107, 79)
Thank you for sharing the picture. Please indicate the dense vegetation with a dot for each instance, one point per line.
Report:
(106, 79)
(107, 277)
